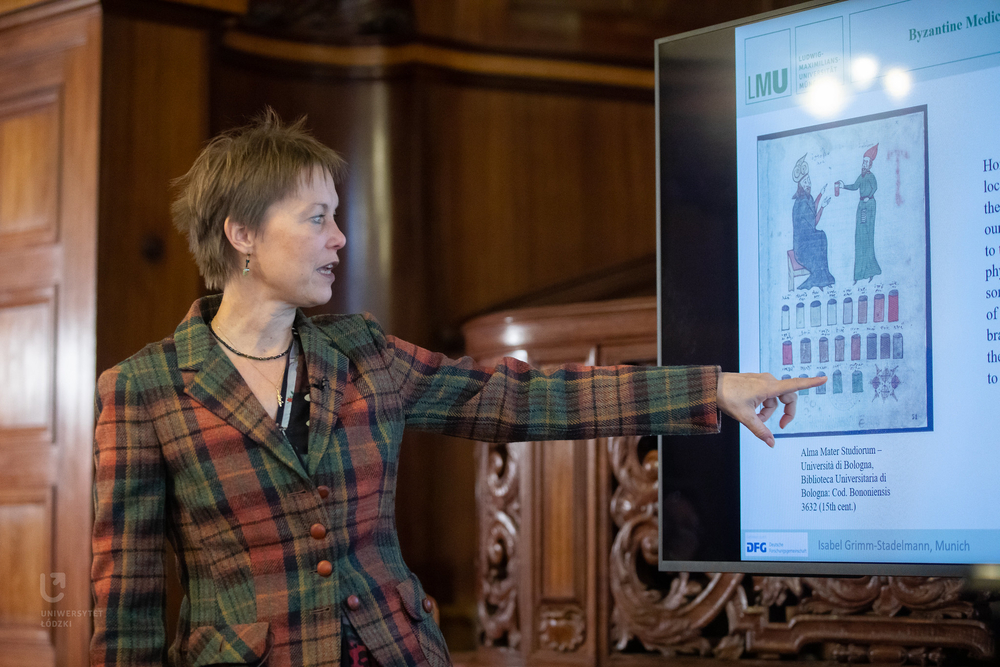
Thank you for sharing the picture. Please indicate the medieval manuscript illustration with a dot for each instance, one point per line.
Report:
(844, 268)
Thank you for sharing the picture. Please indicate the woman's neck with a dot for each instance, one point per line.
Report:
(253, 325)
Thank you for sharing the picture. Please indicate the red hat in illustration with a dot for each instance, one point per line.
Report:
(872, 152)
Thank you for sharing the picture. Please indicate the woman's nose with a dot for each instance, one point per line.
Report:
(337, 239)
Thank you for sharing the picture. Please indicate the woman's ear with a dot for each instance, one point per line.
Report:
(239, 236)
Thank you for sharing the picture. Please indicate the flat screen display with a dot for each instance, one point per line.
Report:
(829, 205)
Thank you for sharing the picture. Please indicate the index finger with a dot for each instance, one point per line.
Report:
(780, 387)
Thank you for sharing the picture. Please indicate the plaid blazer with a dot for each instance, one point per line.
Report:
(185, 452)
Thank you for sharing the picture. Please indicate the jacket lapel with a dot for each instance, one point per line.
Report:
(215, 383)
(328, 370)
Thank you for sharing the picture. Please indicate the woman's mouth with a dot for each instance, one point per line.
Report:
(327, 270)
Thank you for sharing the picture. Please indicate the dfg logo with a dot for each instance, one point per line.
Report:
(772, 546)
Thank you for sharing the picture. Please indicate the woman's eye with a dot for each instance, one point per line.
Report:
(318, 219)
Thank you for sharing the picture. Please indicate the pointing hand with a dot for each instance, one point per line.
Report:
(739, 394)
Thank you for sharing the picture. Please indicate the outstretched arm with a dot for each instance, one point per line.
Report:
(853, 186)
(512, 401)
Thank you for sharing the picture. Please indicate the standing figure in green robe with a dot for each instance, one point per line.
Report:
(865, 264)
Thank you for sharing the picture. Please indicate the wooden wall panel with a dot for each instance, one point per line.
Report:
(153, 124)
(49, 90)
(29, 517)
(529, 189)
(29, 163)
(27, 363)
(28, 619)
(621, 30)
(231, 6)
(14, 5)
(558, 530)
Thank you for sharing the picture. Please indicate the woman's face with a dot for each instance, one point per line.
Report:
(295, 250)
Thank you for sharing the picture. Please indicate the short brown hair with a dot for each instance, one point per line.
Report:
(240, 174)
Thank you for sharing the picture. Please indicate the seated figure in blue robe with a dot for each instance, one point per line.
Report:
(809, 243)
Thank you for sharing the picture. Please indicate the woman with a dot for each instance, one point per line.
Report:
(263, 444)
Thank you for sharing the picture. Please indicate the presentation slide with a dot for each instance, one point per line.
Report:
(869, 253)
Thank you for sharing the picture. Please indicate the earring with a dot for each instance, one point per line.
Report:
(246, 269)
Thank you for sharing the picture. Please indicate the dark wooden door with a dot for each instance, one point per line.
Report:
(49, 91)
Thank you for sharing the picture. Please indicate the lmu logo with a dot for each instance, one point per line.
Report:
(767, 84)
(58, 579)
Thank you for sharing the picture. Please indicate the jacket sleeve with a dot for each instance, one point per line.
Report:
(513, 402)
(128, 539)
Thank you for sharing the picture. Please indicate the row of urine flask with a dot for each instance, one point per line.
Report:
(878, 347)
(879, 313)
(836, 382)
